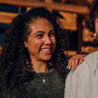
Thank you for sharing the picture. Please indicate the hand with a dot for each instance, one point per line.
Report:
(75, 60)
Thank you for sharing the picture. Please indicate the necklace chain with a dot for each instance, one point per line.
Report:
(44, 77)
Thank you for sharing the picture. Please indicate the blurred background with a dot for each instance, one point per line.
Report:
(70, 12)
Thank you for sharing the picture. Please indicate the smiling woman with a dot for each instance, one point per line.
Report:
(44, 42)
(33, 56)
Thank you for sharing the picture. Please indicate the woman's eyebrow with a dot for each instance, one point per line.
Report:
(42, 32)
(38, 32)
(51, 30)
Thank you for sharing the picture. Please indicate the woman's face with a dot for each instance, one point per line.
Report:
(41, 42)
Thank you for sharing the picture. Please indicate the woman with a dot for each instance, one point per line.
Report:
(33, 56)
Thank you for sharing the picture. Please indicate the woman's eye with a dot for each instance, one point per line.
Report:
(52, 34)
(39, 35)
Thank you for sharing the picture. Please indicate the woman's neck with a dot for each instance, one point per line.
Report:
(39, 66)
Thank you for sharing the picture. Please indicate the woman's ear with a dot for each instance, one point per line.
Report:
(94, 34)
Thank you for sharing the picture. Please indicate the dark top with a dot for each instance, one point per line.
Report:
(1, 85)
(43, 85)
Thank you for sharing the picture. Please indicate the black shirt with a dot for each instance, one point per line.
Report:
(43, 85)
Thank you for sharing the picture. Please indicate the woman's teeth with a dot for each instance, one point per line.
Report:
(45, 49)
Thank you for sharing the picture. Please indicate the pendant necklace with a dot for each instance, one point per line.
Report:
(42, 77)
(44, 80)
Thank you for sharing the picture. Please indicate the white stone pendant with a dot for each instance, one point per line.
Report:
(44, 80)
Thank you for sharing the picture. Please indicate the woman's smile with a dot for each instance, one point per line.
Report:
(46, 50)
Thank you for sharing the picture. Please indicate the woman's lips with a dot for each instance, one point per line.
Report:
(46, 51)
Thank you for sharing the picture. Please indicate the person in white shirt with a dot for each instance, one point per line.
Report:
(83, 82)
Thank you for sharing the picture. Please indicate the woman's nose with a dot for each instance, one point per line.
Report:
(47, 40)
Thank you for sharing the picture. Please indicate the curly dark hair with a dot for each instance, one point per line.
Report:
(15, 56)
(93, 13)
